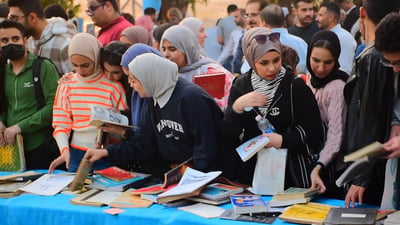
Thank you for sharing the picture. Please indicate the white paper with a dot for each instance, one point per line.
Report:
(204, 210)
(49, 184)
(191, 180)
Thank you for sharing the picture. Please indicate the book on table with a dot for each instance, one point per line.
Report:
(11, 189)
(263, 217)
(373, 149)
(216, 194)
(249, 148)
(12, 157)
(309, 213)
(213, 83)
(295, 193)
(351, 216)
(279, 203)
(248, 204)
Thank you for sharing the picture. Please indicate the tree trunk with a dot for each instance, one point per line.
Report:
(167, 4)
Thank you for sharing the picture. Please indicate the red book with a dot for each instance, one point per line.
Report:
(213, 83)
(115, 173)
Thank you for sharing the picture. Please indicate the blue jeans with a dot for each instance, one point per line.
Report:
(76, 156)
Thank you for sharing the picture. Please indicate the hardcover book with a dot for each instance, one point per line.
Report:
(81, 174)
(212, 83)
(248, 204)
(12, 158)
(219, 191)
(350, 216)
(249, 148)
(372, 149)
(104, 183)
(115, 173)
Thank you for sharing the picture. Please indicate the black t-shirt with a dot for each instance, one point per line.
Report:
(304, 32)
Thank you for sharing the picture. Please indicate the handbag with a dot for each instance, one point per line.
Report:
(269, 173)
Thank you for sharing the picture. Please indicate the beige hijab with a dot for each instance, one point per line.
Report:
(137, 34)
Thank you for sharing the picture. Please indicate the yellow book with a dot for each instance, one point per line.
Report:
(12, 158)
(310, 213)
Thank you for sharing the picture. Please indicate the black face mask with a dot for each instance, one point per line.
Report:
(13, 51)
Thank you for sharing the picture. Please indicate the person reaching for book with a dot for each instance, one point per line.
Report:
(269, 90)
(71, 109)
(180, 121)
(327, 81)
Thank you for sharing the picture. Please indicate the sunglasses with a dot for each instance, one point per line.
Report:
(390, 64)
(91, 9)
(262, 38)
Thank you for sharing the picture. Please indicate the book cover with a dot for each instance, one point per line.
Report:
(23, 176)
(248, 204)
(218, 191)
(81, 174)
(100, 116)
(174, 175)
(115, 173)
(104, 183)
(129, 200)
(249, 148)
(11, 189)
(295, 193)
(95, 197)
(350, 216)
(263, 217)
(212, 83)
(372, 149)
(279, 203)
(310, 213)
(12, 158)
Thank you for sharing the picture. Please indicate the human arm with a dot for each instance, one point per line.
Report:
(250, 99)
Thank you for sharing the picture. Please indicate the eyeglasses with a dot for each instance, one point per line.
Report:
(390, 64)
(262, 38)
(91, 9)
(250, 15)
(15, 17)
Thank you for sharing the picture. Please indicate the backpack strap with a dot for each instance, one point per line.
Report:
(36, 65)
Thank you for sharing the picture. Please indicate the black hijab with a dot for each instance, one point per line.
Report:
(334, 48)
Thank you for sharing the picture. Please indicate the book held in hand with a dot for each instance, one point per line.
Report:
(372, 149)
(12, 158)
(100, 116)
(212, 83)
(249, 148)
(248, 204)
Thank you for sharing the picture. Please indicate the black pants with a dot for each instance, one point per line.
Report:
(42, 156)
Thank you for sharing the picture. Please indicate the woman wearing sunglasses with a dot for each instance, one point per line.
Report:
(269, 90)
(327, 82)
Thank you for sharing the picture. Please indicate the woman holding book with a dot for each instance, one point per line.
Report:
(74, 97)
(180, 120)
(327, 81)
(269, 90)
(181, 46)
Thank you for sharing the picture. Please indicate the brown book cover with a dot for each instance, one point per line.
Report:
(129, 200)
(83, 171)
(212, 83)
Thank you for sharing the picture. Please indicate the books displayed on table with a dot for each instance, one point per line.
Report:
(309, 213)
(295, 192)
(23, 176)
(263, 217)
(11, 189)
(103, 183)
(216, 194)
(100, 116)
(248, 204)
(12, 158)
(249, 148)
(279, 203)
(212, 83)
(372, 149)
(351, 216)
(49, 184)
(116, 173)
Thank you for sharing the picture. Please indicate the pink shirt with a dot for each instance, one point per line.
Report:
(112, 30)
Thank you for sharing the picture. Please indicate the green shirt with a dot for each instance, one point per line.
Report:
(22, 105)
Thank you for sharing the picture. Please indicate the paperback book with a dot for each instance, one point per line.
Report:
(219, 191)
(104, 183)
(248, 204)
(295, 193)
(310, 213)
(372, 149)
(249, 148)
(100, 116)
(12, 157)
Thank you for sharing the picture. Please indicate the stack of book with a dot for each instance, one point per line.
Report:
(292, 196)
(10, 185)
(216, 194)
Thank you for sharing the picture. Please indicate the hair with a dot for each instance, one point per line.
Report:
(273, 15)
(322, 43)
(232, 8)
(377, 9)
(296, 2)
(129, 17)
(387, 34)
(4, 9)
(149, 11)
(113, 3)
(333, 8)
(6, 24)
(55, 10)
(289, 57)
(31, 6)
(112, 53)
(263, 3)
(159, 31)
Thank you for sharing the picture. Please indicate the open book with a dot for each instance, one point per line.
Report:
(212, 83)
(100, 116)
(12, 158)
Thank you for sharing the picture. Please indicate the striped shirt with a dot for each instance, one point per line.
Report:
(72, 104)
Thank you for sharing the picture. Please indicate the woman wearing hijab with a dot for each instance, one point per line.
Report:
(197, 27)
(269, 90)
(136, 34)
(180, 122)
(71, 110)
(327, 81)
(179, 45)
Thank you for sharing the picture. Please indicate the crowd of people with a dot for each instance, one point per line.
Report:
(324, 74)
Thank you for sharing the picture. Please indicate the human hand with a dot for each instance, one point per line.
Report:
(249, 100)
(353, 194)
(394, 131)
(275, 140)
(65, 78)
(393, 147)
(10, 133)
(95, 154)
(65, 157)
(316, 181)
